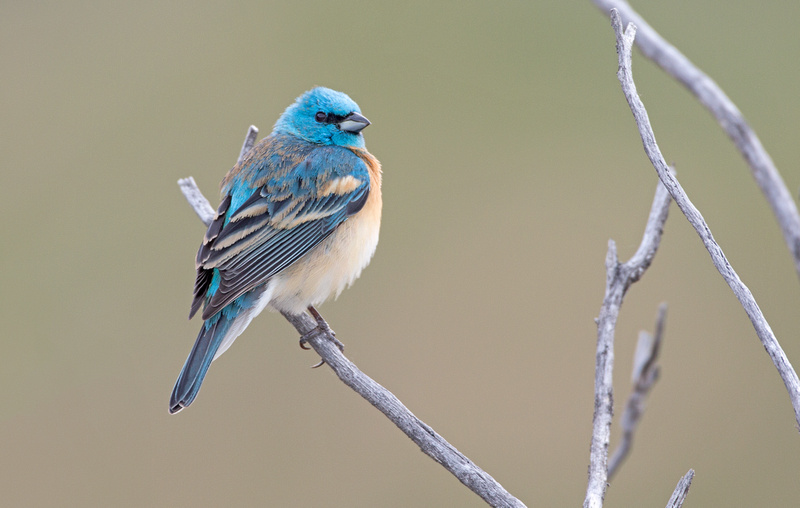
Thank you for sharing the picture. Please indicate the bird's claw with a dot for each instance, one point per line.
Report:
(323, 328)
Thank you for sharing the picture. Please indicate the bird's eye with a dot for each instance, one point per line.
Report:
(320, 116)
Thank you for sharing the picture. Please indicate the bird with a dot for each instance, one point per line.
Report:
(299, 220)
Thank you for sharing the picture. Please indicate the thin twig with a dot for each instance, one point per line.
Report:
(710, 95)
(322, 339)
(619, 277)
(645, 375)
(249, 141)
(192, 193)
(196, 200)
(681, 490)
(743, 294)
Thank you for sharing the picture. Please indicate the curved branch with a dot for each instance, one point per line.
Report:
(743, 294)
(619, 277)
(320, 337)
(710, 95)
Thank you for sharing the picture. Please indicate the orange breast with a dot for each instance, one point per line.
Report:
(337, 262)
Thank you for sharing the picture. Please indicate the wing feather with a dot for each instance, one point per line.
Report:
(294, 209)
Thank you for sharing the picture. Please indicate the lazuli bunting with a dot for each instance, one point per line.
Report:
(298, 222)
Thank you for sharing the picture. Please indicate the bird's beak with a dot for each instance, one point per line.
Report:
(353, 122)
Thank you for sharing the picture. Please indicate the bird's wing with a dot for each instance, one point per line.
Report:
(277, 224)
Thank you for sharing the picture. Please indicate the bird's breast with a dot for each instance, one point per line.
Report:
(337, 261)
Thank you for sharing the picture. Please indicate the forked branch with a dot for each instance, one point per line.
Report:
(619, 277)
(710, 95)
(743, 294)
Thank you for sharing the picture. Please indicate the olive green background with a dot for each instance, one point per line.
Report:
(510, 158)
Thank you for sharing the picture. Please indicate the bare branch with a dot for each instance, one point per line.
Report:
(710, 95)
(249, 141)
(196, 200)
(431, 443)
(681, 490)
(192, 193)
(645, 375)
(743, 294)
(322, 339)
(619, 277)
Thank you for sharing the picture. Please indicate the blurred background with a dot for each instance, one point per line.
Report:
(510, 159)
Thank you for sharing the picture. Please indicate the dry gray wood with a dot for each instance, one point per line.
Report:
(196, 200)
(681, 490)
(431, 443)
(645, 374)
(249, 141)
(322, 339)
(763, 330)
(710, 95)
(619, 277)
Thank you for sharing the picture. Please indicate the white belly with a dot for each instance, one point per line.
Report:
(330, 267)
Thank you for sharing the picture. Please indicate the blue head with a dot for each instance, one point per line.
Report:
(324, 116)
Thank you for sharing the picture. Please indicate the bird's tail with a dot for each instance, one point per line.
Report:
(194, 370)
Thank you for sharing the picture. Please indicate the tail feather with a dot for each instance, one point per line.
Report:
(196, 366)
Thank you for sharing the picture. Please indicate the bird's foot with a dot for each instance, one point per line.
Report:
(323, 328)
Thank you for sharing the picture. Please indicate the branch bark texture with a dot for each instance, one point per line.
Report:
(763, 330)
(322, 339)
(681, 490)
(645, 375)
(710, 95)
(431, 443)
(619, 277)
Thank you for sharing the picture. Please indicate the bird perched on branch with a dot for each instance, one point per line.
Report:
(298, 222)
